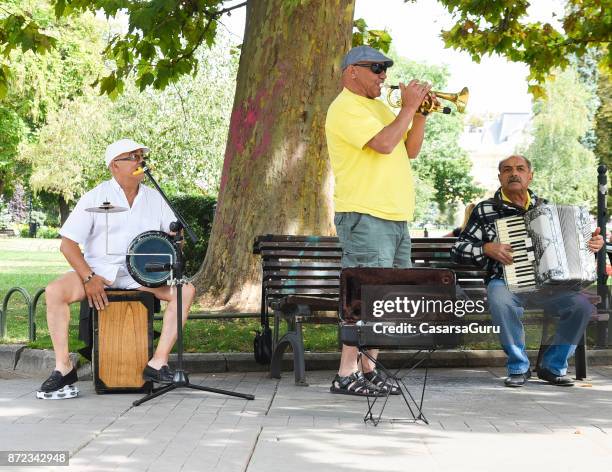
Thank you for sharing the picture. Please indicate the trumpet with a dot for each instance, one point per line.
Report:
(428, 105)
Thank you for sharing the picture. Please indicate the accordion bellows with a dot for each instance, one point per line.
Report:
(550, 244)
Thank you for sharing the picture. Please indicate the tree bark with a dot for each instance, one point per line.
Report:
(64, 209)
(276, 174)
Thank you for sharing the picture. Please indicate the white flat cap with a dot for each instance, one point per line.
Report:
(120, 147)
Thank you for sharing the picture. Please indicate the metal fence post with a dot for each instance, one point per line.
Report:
(4, 313)
(602, 288)
(37, 296)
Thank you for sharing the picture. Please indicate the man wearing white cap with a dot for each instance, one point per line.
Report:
(374, 197)
(101, 267)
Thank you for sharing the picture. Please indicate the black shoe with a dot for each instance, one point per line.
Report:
(163, 375)
(382, 383)
(355, 384)
(554, 379)
(58, 386)
(57, 381)
(517, 380)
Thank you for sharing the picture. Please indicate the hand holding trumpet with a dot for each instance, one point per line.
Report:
(414, 94)
(397, 97)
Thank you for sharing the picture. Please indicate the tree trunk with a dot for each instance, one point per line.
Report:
(64, 209)
(276, 174)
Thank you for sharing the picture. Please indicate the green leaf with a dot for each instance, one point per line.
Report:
(360, 24)
(60, 8)
(108, 84)
(3, 87)
(145, 80)
(537, 91)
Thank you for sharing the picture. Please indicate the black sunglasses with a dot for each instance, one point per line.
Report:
(376, 67)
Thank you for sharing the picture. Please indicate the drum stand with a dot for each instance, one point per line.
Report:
(180, 376)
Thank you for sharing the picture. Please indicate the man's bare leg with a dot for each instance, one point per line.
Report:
(59, 294)
(168, 334)
(348, 361)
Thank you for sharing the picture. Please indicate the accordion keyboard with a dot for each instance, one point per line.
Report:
(520, 275)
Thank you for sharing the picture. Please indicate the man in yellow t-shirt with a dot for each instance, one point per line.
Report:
(370, 150)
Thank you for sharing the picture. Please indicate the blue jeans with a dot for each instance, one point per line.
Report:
(572, 308)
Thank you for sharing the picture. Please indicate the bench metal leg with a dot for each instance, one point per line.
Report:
(602, 335)
(544, 341)
(581, 359)
(276, 329)
(579, 356)
(294, 339)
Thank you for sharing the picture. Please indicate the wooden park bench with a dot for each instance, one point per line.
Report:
(301, 283)
(7, 232)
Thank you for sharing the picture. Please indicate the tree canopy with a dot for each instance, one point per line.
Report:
(442, 165)
(162, 35)
(185, 126)
(564, 168)
(40, 82)
(501, 27)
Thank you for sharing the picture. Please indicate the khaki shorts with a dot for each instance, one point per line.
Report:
(368, 241)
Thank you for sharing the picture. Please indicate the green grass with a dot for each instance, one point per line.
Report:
(30, 264)
(33, 263)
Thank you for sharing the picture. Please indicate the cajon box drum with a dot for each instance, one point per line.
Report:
(123, 342)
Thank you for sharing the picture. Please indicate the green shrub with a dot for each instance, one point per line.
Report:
(198, 211)
(47, 232)
(5, 215)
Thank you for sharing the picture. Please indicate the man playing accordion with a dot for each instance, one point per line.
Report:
(477, 246)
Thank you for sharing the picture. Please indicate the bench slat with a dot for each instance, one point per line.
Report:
(299, 245)
(301, 274)
(431, 247)
(268, 238)
(300, 264)
(299, 283)
(301, 254)
(327, 292)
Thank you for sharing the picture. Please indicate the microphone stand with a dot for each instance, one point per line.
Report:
(181, 379)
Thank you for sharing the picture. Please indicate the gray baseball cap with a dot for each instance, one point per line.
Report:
(364, 53)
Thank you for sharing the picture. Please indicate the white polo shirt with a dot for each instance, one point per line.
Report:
(148, 212)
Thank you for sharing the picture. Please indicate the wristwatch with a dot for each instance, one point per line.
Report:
(89, 277)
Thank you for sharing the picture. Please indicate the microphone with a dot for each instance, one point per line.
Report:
(142, 168)
(155, 267)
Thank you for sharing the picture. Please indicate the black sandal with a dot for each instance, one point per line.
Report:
(381, 382)
(355, 384)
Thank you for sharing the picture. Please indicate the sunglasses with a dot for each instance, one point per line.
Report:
(133, 157)
(376, 67)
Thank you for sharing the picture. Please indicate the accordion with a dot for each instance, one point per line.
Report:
(549, 245)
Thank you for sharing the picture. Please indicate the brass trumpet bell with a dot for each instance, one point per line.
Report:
(460, 100)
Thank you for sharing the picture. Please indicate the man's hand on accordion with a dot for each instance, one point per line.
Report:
(498, 251)
(596, 242)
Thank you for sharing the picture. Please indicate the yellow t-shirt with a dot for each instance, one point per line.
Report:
(527, 203)
(368, 182)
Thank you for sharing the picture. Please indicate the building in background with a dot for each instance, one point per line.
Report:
(497, 138)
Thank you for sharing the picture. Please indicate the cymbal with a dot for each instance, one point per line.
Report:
(106, 207)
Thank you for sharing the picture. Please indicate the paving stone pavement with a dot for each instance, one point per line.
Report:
(475, 424)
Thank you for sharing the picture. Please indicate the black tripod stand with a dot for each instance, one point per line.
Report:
(180, 376)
